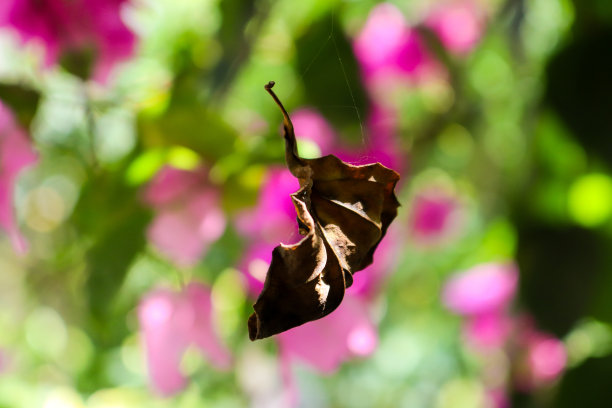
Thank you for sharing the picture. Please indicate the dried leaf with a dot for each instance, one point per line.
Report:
(343, 211)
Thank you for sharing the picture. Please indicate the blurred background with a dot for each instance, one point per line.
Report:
(143, 188)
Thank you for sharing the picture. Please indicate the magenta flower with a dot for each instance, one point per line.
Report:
(379, 142)
(324, 344)
(15, 154)
(543, 358)
(311, 125)
(482, 294)
(459, 24)
(485, 288)
(382, 143)
(255, 264)
(435, 215)
(547, 358)
(368, 282)
(489, 330)
(73, 26)
(188, 215)
(389, 50)
(498, 398)
(273, 219)
(170, 323)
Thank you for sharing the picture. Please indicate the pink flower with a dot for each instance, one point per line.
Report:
(325, 343)
(15, 154)
(547, 358)
(273, 219)
(68, 26)
(389, 50)
(434, 216)
(382, 141)
(489, 330)
(368, 282)
(170, 323)
(485, 288)
(498, 398)
(482, 294)
(459, 24)
(255, 265)
(542, 356)
(379, 142)
(188, 217)
(171, 184)
(311, 125)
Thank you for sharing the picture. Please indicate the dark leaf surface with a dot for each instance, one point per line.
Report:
(22, 100)
(343, 211)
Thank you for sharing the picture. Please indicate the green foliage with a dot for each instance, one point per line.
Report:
(22, 100)
(330, 74)
(516, 130)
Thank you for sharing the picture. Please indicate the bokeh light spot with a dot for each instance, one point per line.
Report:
(456, 142)
(132, 355)
(258, 269)
(228, 290)
(590, 338)
(46, 332)
(308, 149)
(590, 200)
(548, 358)
(78, 352)
(183, 158)
(461, 393)
(45, 209)
(145, 166)
(491, 76)
(362, 340)
(228, 296)
(157, 311)
(63, 398)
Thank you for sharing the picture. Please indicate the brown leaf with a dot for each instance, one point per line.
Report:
(343, 211)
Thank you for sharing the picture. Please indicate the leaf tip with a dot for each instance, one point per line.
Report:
(253, 325)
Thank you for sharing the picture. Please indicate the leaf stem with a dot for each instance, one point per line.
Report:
(294, 162)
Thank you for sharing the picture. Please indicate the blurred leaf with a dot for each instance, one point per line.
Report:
(330, 74)
(557, 149)
(560, 268)
(225, 252)
(147, 164)
(239, 25)
(192, 126)
(23, 102)
(110, 258)
(79, 62)
(592, 14)
(580, 90)
(590, 199)
(111, 217)
(585, 386)
(183, 158)
(144, 167)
